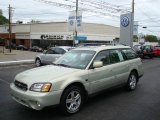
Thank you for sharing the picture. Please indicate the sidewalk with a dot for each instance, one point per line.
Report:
(16, 57)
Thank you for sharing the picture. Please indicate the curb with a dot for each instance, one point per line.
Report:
(20, 62)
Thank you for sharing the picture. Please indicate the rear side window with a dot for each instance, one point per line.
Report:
(110, 56)
(130, 54)
(116, 56)
(50, 51)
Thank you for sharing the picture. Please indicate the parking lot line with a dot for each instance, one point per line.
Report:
(4, 81)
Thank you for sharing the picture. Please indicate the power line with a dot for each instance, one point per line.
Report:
(102, 9)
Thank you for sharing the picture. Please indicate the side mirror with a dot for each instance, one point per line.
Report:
(97, 64)
(44, 51)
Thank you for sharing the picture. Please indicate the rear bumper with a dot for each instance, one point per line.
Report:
(148, 54)
(35, 100)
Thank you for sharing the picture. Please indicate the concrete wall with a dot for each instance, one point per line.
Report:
(49, 27)
(20, 28)
(88, 28)
(100, 29)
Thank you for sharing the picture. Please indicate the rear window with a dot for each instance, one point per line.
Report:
(130, 54)
(157, 47)
(116, 56)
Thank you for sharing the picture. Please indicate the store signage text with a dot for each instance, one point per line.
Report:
(52, 37)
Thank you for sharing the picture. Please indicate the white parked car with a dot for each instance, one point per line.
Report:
(76, 75)
(51, 55)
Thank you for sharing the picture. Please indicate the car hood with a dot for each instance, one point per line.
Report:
(44, 74)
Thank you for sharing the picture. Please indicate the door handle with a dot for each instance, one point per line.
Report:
(127, 65)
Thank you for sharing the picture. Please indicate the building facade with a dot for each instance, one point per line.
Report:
(56, 33)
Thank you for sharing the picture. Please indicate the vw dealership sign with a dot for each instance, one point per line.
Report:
(125, 21)
(126, 29)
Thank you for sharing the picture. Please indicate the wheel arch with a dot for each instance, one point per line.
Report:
(37, 58)
(79, 84)
(135, 71)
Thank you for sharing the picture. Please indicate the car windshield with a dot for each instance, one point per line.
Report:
(76, 59)
(70, 48)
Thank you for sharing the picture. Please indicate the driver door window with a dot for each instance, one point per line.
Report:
(104, 57)
(59, 51)
(50, 51)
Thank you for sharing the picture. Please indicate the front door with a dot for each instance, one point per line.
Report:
(101, 78)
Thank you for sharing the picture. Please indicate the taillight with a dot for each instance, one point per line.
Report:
(144, 51)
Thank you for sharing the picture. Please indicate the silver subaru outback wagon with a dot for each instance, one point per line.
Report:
(76, 75)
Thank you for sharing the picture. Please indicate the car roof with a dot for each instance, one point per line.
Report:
(92, 44)
(62, 47)
(66, 48)
(103, 47)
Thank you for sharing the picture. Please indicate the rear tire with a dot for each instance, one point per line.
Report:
(151, 56)
(132, 81)
(72, 100)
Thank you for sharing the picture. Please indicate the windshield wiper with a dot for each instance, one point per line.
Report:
(54, 64)
(64, 65)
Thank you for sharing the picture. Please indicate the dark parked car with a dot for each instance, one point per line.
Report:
(147, 50)
(36, 49)
(21, 47)
(13, 46)
(137, 49)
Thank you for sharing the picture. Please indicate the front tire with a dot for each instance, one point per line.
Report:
(38, 62)
(72, 100)
(132, 81)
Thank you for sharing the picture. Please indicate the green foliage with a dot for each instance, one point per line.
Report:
(3, 20)
(151, 38)
(135, 38)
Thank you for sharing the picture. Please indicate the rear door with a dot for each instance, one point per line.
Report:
(120, 67)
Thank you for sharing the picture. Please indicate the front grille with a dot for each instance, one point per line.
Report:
(20, 85)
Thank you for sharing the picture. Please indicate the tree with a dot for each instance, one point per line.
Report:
(34, 21)
(135, 38)
(0, 12)
(3, 20)
(151, 38)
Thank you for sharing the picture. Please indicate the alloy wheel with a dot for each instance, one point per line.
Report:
(73, 101)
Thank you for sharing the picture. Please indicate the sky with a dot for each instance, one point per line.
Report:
(146, 12)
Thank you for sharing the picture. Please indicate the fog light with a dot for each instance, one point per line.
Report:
(38, 104)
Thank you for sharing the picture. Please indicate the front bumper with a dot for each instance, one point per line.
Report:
(35, 100)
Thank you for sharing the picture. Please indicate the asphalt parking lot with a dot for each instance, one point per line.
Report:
(117, 104)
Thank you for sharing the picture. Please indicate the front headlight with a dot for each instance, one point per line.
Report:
(41, 87)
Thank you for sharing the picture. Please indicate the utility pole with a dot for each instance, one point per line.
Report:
(10, 27)
(133, 7)
(76, 20)
(133, 19)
